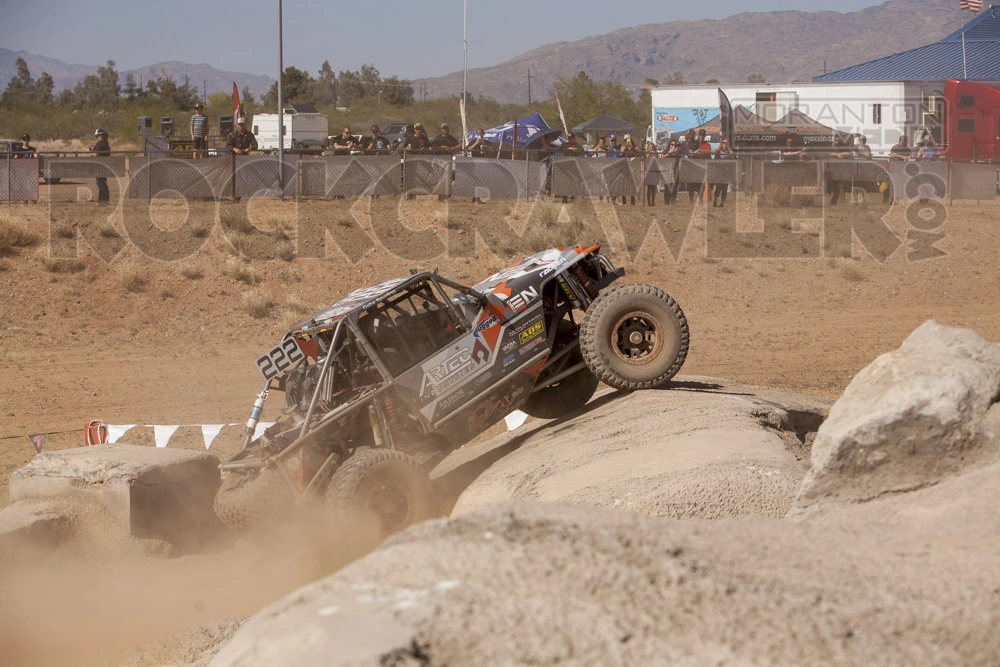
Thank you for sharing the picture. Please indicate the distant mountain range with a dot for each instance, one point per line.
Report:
(205, 77)
(783, 47)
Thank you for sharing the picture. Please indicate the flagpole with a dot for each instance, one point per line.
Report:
(965, 62)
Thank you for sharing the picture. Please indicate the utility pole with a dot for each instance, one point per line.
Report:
(204, 91)
(465, 49)
(281, 115)
(529, 86)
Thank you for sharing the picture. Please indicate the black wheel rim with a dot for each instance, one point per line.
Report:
(636, 338)
(389, 503)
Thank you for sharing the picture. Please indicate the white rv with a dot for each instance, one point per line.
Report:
(305, 128)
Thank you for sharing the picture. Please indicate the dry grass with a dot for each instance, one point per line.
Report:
(240, 271)
(14, 236)
(63, 265)
(108, 231)
(240, 243)
(235, 220)
(778, 195)
(289, 275)
(192, 272)
(167, 293)
(133, 276)
(286, 250)
(852, 274)
(199, 229)
(63, 230)
(257, 304)
(297, 306)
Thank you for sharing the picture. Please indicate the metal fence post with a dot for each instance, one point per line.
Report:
(8, 179)
(149, 179)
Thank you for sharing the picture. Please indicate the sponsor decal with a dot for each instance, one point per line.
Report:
(508, 360)
(524, 325)
(559, 262)
(519, 302)
(490, 321)
(483, 379)
(493, 409)
(461, 364)
(531, 332)
(667, 118)
(480, 352)
(531, 346)
(509, 346)
(451, 399)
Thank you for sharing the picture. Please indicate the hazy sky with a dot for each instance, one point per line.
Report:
(408, 38)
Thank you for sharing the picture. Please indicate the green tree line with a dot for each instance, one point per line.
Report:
(354, 99)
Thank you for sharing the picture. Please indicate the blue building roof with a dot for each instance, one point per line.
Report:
(938, 61)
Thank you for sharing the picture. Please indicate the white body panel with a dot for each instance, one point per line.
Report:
(308, 130)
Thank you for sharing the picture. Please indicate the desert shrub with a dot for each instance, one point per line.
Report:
(63, 230)
(63, 265)
(240, 243)
(108, 231)
(192, 272)
(777, 194)
(852, 274)
(286, 251)
(240, 271)
(257, 304)
(133, 276)
(296, 305)
(200, 229)
(13, 236)
(235, 220)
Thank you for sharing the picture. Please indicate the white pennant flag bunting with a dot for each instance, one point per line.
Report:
(261, 427)
(162, 434)
(515, 419)
(117, 431)
(210, 432)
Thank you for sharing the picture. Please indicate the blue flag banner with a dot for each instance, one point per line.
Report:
(726, 121)
(528, 130)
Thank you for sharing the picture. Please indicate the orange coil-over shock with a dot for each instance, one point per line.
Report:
(584, 280)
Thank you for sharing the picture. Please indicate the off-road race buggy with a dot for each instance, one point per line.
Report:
(385, 382)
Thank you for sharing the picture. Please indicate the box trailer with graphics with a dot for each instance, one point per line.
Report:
(305, 128)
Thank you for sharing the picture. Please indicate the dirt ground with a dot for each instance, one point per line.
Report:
(150, 315)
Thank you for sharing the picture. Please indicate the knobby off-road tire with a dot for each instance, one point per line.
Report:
(634, 337)
(384, 489)
(248, 500)
(569, 394)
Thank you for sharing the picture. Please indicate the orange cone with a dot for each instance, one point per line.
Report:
(708, 195)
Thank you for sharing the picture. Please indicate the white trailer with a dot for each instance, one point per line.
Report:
(882, 111)
(305, 128)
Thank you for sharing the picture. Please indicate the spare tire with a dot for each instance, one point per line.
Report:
(634, 337)
(384, 489)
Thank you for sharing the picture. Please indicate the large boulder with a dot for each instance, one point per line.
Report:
(132, 491)
(911, 418)
(706, 448)
(543, 584)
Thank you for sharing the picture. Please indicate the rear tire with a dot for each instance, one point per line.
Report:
(248, 499)
(634, 337)
(384, 490)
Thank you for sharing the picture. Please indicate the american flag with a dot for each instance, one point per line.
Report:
(974, 6)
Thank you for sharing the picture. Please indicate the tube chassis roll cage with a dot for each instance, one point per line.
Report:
(338, 341)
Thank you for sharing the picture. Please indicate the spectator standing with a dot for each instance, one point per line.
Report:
(572, 147)
(600, 149)
(629, 150)
(613, 149)
(199, 132)
(481, 147)
(652, 177)
(241, 141)
(445, 142)
(835, 185)
(721, 189)
(377, 144)
(102, 149)
(927, 151)
(418, 141)
(344, 142)
(675, 150)
(862, 151)
(26, 150)
(901, 152)
(790, 152)
(699, 149)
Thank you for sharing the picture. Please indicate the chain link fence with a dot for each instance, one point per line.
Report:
(156, 174)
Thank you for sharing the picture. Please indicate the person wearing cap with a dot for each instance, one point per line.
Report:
(572, 146)
(26, 150)
(199, 132)
(102, 149)
(613, 149)
(445, 142)
(241, 140)
(377, 144)
(418, 142)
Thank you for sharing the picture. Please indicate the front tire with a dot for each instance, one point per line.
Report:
(384, 489)
(634, 337)
(249, 499)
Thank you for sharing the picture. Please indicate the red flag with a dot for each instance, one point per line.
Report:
(237, 110)
(974, 6)
(37, 440)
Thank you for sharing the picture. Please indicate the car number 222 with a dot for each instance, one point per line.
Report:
(279, 359)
